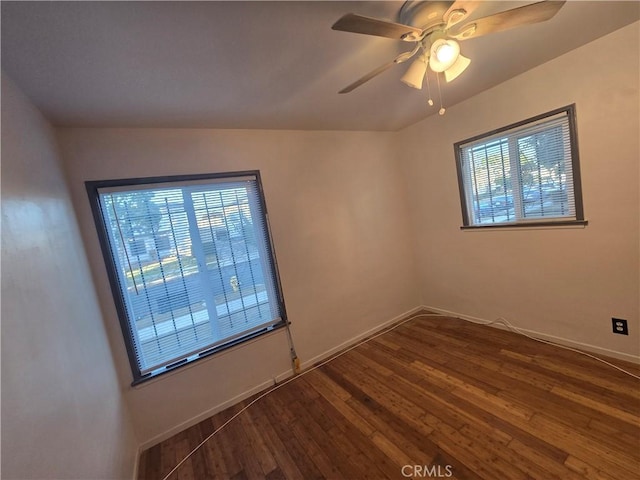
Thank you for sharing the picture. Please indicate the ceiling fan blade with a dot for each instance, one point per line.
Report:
(527, 15)
(468, 6)
(367, 77)
(372, 26)
(403, 57)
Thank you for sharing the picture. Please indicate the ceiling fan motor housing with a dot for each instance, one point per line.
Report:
(426, 15)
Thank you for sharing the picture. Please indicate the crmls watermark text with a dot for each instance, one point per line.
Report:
(427, 471)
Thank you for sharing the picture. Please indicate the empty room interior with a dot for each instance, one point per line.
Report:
(314, 239)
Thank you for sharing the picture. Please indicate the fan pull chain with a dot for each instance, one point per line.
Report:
(430, 101)
(442, 109)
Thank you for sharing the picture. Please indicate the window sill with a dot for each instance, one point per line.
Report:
(206, 355)
(529, 225)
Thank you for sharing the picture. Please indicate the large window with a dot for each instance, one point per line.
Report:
(190, 264)
(522, 174)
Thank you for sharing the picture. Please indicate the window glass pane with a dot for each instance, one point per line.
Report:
(543, 174)
(233, 262)
(492, 197)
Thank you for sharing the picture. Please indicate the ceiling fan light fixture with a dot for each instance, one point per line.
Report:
(414, 76)
(444, 54)
(459, 66)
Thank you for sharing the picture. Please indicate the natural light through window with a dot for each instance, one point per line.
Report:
(192, 266)
(523, 174)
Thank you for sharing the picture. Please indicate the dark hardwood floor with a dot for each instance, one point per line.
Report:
(437, 397)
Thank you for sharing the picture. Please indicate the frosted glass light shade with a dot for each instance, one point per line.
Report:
(457, 68)
(414, 75)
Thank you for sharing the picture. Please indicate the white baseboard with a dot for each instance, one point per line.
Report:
(204, 415)
(544, 336)
(136, 463)
(353, 340)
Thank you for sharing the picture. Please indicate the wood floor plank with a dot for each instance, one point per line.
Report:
(215, 465)
(365, 452)
(257, 443)
(457, 412)
(350, 448)
(150, 461)
(369, 363)
(598, 455)
(483, 398)
(199, 458)
(187, 471)
(435, 394)
(276, 475)
(321, 384)
(441, 338)
(579, 415)
(554, 468)
(608, 409)
(585, 470)
(287, 466)
(243, 451)
(310, 434)
(475, 457)
(168, 457)
(303, 462)
(224, 443)
(318, 454)
(494, 448)
(417, 348)
(605, 428)
(613, 404)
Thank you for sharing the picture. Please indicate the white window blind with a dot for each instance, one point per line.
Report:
(193, 266)
(521, 174)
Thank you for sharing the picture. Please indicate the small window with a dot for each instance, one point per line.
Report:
(523, 174)
(190, 263)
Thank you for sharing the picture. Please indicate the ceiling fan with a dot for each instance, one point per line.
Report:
(436, 27)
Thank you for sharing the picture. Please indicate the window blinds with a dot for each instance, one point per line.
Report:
(193, 266)
(520, 174)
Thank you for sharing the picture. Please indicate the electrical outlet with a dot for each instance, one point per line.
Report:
(620, 326)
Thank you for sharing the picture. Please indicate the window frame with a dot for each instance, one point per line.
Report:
(93, 190)
(579, 220)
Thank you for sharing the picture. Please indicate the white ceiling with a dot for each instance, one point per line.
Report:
(267, 65)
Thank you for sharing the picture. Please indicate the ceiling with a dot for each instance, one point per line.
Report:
(257, 65)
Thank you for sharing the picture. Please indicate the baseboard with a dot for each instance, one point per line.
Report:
(544, 336)
(204, 415)
(352, 341)
(136, 463)
(328, 353)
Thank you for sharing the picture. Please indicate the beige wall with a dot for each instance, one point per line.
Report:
(566, 283)
(63, 415)
(340, 228)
